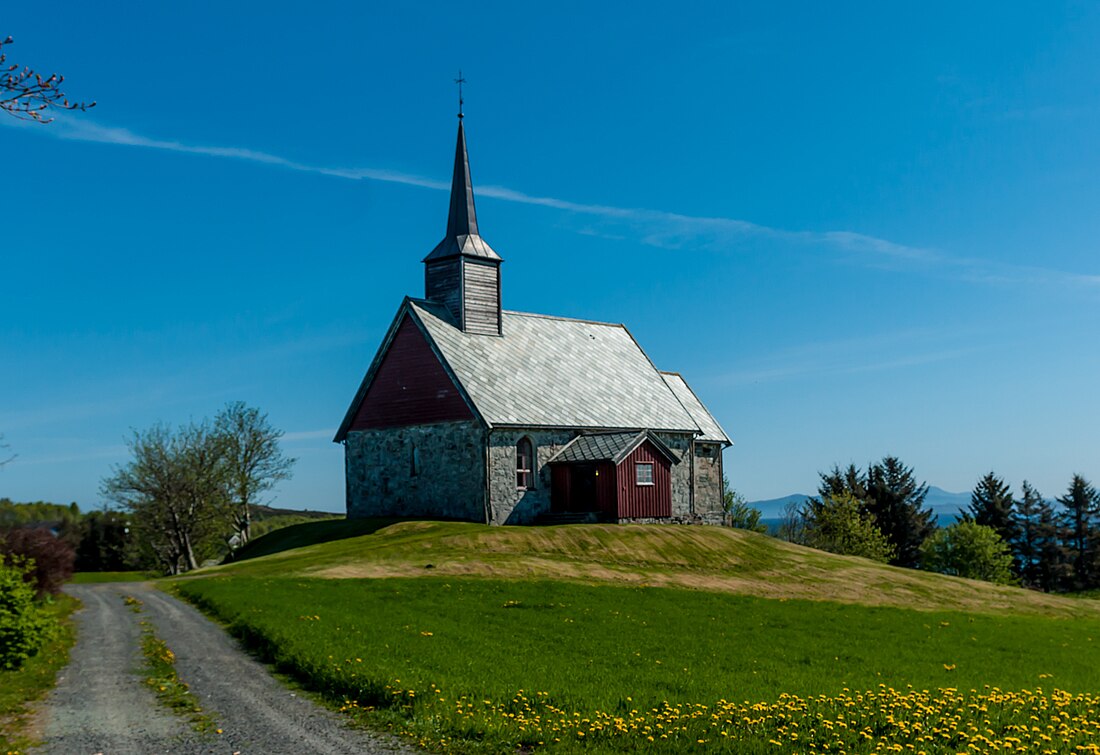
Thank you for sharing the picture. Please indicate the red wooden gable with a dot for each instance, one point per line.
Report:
(410, 386)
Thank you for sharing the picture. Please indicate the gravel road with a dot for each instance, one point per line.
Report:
(101, 706)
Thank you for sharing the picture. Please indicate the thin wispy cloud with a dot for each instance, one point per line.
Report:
(877, 352)
(654, 227)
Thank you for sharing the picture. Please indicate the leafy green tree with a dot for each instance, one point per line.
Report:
(889, 492)
(177, 492)
(971, 550)
(739, 513)
(253, 459)
(1081, 506)
(992, 504)
(838, 524)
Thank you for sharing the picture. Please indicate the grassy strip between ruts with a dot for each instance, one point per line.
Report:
(161, 676)
(35, 678)
(492, 665)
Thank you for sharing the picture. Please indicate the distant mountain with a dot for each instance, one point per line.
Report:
(772, 508)
(945, 504)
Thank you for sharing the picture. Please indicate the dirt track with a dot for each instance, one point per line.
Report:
(101, 706)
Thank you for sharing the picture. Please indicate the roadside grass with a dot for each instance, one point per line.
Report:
(35, 678)
(93, 577)
(481, 665)
(161, 676)
(701, 558)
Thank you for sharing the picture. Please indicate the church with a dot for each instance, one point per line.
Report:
(473, 412)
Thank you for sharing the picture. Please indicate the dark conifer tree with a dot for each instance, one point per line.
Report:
(897, 502)
(992, 504)
(1025, 546)
(1052, 570)
(841, 481)
(1081, 506)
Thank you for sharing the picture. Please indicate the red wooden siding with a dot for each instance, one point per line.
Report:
(605, 489)
(410, 387)
(644, 500)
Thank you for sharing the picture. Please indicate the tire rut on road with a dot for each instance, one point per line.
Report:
(255, 712)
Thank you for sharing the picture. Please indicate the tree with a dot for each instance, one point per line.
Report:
(1081, 506)
(253, 460)
(176, 490)
(889, 492)
(106, 542)
(838, 524)
(24, 94)
(1028, 541)
(792, 524)
(992, 504)
(968, 549)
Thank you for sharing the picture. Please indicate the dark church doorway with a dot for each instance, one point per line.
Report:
(582, 488)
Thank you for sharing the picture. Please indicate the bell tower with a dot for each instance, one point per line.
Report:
(463, 271)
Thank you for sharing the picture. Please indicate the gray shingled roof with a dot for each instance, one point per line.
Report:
(556, 372)
(712, 431)
(613, 447)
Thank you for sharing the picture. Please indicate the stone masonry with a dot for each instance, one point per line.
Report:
(424, 470)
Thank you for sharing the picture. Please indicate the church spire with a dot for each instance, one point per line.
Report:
(463, 272)
(462, 219)
(462, 237)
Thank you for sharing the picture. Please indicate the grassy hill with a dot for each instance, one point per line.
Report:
(603, 638)
(706, 558)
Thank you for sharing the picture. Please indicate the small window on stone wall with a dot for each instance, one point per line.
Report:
(643, 474)
(414, 461)
(525, 456)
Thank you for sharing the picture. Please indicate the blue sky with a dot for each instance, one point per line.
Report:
(857, 229)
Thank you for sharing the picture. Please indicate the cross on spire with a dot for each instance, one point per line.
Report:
(460, 81)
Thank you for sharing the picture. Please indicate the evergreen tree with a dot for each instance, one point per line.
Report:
(889, 493)
(1081, 507)
(1027, 543)
(897, 503)
(992, 505)
(838, 482)
(1053, 569)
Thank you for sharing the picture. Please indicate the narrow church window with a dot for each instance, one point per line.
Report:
(414, 462)
(643, 474)
(524, 458)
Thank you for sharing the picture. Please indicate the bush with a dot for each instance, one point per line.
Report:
(968, 549)
(23, 626)
(837, 524)
(52, 557)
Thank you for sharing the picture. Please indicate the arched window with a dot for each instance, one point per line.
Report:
(525, 464)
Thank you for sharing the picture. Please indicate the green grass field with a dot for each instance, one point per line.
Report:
(34, 679)
(459, 658)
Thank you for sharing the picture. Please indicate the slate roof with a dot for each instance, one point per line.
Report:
(556, 372)
(613, 447)
(712, 431)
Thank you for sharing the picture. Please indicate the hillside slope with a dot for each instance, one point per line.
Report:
(704, 558)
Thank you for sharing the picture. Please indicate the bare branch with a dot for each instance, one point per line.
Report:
(24, 94)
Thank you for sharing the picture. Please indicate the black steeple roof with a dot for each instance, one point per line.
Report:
(462, 238)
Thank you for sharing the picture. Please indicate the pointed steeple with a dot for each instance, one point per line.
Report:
(462, 237)
(462, 219)
(463, 271)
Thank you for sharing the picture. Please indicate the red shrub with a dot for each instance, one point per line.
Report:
(53, 557)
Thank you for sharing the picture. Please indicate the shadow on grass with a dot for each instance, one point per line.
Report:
(310, 533)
